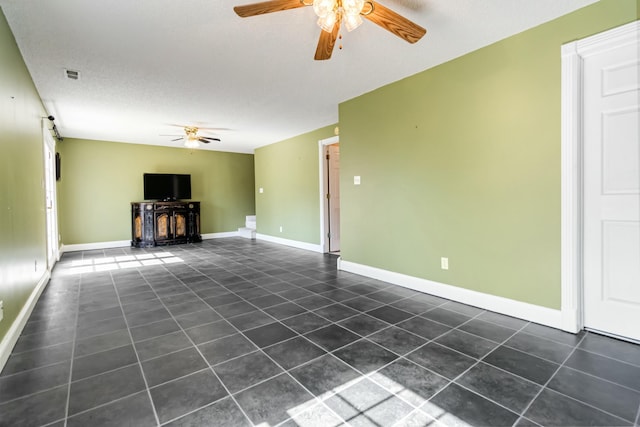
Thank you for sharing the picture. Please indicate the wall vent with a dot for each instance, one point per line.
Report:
(72, 74)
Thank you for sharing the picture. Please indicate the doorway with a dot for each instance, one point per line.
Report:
(329, 153)
(50, 165)
(601, 182)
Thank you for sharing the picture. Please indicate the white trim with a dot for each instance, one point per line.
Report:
(571, 182)
(125, 243)
(323, 190)
(611, 39)
(534, 313)
(571, 164)
(294, 243)
(96, 245)
(12, 335)
(221, 235)
(49, 144)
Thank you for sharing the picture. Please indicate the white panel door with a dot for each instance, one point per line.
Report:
(612, 191)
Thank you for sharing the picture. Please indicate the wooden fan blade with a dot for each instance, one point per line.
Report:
(326, 42)
(206, 139)
(395, 23)
(267, 7)
(177, 139)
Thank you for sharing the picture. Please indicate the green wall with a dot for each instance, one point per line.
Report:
(99, 180)
(288, 173)
(463, 161)
(22, 217)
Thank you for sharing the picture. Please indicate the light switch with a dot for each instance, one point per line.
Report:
(261, 190)
(356, 180)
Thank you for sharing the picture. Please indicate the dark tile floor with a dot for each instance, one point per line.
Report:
(233, 332)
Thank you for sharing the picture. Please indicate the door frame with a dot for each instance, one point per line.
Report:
(324, 214)
(573, 54)
(51, 224)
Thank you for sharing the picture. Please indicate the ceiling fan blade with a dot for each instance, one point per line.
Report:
(395, 23)
(196, 126)
(206, 139)
(177, 139)
(326, 42)
(267, 7)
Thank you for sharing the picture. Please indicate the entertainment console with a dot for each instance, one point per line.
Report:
(164, 223)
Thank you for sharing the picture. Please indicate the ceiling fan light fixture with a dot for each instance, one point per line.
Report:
(351, 22)
(191, 143)
(352, 7)
(322, 8)
(327, 22)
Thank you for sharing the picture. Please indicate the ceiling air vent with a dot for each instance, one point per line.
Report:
(72, 74)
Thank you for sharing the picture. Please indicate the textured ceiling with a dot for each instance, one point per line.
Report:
(146, 65)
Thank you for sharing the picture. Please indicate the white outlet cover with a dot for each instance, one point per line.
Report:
(356, 180)
(261, 190)
(444, 263)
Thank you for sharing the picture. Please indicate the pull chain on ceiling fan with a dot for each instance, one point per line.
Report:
(331, 13)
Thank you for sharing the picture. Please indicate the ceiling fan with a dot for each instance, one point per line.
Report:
(192, 139)
(331, 14)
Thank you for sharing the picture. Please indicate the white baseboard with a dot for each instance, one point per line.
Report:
(97, 245)
(295, 243)
(126, 243)
(221, 235)
(533, 313)
(247, 232)
(12, 335)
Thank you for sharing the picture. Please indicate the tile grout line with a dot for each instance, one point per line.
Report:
(285, 371)
(476, 363)
(433, 340)
(400, 298)
(403, 357)
(521, 330)
(202, 257)
(102, 405)
(48, 365)
(73, 350)
(209, 367)
(571, 368)
(586, 350)
(139, 363)
(546, 385)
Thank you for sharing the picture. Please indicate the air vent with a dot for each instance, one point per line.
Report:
(72, 74)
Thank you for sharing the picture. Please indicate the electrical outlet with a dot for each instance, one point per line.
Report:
(356, 180)
(281, 229)
(261, 190)
(444, 263)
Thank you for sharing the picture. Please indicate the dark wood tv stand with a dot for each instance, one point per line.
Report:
(164, 223)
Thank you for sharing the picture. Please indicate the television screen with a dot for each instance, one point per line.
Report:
(182, 187)
(166, 186)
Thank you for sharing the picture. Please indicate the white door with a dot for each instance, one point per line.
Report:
(333, 174)
(50, 199)
(611, 217)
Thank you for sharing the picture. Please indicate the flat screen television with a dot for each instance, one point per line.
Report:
(166, 186)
